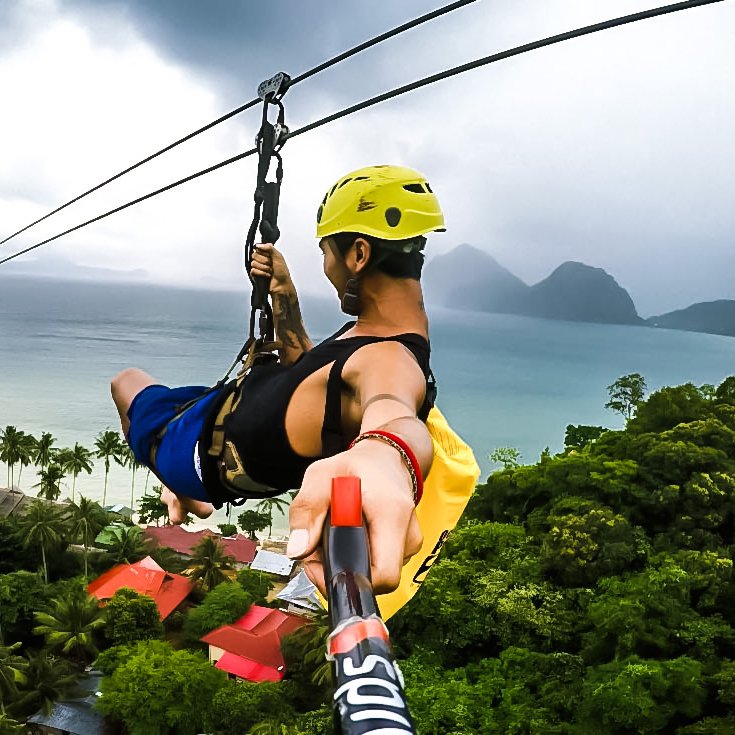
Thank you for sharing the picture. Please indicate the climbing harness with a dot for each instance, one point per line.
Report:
(268, 142)
(231, 483)
(232, 477)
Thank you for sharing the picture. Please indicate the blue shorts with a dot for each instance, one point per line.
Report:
(149, 412)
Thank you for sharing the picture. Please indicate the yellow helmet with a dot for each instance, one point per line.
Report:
(389, 202)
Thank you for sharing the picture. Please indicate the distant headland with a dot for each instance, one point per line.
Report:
(467, 278)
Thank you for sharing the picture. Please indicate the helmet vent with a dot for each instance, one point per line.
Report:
(319, 214)
(428, 188)
(346, 181)
(361, 178)
(392, 216)
(415, 188)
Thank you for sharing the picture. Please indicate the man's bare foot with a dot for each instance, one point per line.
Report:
(180, 507)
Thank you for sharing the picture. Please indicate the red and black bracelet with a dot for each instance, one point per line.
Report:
(407, 455)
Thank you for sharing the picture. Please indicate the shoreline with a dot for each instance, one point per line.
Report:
(279, 535)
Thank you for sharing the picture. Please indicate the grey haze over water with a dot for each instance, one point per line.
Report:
(503, 380)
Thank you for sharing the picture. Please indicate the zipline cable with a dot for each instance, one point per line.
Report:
(310, 73)
(586, 30)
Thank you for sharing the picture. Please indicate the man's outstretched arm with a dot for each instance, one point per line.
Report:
(287, 320)
(390, 388)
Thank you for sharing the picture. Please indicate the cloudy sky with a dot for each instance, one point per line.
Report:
(616, 149)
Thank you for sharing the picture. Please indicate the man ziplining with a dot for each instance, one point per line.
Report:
(355, 404)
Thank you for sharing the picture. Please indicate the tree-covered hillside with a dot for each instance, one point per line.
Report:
(592, 592)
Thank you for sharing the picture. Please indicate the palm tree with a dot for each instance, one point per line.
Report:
(129, 460)
(109, 447)
(11, 441)
(209, 562)
(41, 525)
(9, 726)
(50, 482)
(70, 624)
(87, 520)
(266, 506)
(25, 452)
(150, 507)
(126, 544)
(61, 459)
(167, 559)
(43, 451)
(77, 460)
(311, 642)
(49, 679)
(12, 668)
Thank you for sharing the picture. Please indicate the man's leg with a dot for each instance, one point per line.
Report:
(125, 386)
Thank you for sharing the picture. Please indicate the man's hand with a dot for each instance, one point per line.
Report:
(270, 263)
(394, 535)
(289, 324)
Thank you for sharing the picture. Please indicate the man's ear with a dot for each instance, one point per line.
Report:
(361, 253)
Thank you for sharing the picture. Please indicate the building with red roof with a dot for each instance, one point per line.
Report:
(250, 648)
(146, 578)
(183, 542)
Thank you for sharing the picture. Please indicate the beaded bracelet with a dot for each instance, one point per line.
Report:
(407, 455)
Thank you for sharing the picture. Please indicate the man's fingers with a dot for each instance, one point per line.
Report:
(307, 514)
(388, 545)
(414, 539)
(263, 259)
(261, 263)
(259, 270)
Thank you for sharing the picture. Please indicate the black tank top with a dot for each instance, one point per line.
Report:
(258, 424)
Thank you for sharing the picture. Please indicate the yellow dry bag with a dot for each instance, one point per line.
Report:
(447, 489)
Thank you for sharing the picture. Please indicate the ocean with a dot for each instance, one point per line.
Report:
(504, 381)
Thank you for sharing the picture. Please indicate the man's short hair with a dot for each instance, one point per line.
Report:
(384, 255)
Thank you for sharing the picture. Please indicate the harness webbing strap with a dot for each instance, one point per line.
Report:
(252, 351)
(333, 440)
(269, 141)
(218, 430)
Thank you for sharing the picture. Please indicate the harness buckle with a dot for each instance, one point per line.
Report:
(275, 87)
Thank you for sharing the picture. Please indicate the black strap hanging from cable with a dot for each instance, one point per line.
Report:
(269, 141)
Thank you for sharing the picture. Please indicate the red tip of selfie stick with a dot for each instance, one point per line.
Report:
(346, 508)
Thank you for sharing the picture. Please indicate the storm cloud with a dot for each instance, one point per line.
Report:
(615, 150)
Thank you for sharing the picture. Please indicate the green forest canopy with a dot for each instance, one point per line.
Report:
(591, 593)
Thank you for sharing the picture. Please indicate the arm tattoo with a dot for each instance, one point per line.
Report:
(290, 324)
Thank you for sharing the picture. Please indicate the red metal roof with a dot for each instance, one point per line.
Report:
(252, 617)
(182, 541)
(263, 649)
(255, 639)
(261, 620)
(245, 669)
(146, 578)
